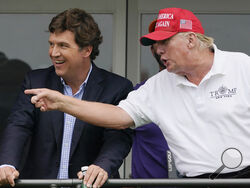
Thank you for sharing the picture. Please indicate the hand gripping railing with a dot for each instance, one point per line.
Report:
(138, 182)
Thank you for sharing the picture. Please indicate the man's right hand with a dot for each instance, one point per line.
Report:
(45, 99)
(8, 175)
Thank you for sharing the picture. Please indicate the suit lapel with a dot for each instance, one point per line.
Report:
(57, 117)
(92, 91)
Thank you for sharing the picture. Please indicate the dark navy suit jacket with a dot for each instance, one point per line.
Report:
(42, 132)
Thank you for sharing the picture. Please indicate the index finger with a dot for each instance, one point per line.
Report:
(32, 91)
(88, 175)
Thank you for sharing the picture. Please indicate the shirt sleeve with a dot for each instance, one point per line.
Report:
(4, 165)
(137, 105)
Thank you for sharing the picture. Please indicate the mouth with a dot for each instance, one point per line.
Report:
(165, 62)
(58, 62)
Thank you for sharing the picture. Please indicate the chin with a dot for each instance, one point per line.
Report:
(59, 73)
(170, 70)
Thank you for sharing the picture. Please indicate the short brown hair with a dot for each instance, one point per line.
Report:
(82, 24)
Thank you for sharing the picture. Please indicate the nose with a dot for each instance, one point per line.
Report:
(54, 51)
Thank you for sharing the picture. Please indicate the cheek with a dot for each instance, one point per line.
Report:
(175, 52)
(49, 52)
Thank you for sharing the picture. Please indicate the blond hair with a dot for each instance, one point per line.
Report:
(205, 41)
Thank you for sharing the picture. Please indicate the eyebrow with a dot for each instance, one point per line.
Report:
(60, 43)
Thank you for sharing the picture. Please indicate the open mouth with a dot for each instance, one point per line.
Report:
(59, 62)
(165, 62)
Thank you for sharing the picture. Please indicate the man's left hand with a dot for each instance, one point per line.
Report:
(95, 176)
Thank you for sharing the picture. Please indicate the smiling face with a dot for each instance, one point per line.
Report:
(173, 53)
(66, 56)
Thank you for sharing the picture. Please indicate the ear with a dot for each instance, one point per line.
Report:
(86, 51)
(192, 40)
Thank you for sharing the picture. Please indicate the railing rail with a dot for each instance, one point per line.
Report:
(138, 182)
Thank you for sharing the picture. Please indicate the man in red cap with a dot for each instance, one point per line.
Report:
(200, 101)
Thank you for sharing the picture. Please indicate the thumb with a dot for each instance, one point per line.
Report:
(80, 175)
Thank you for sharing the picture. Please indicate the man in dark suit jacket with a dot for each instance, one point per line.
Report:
(74, 40)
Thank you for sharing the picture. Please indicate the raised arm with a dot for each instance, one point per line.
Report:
(100, 114)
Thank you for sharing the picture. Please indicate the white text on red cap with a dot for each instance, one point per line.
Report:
(162, 24)
(169, 16)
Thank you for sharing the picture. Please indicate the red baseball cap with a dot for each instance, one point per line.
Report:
(171, 21)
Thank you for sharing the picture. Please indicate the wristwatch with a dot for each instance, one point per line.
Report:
(84, 169)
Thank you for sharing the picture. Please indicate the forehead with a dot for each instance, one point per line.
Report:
(66, 36)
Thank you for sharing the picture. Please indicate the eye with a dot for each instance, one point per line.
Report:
(63, 45)
(51, 44)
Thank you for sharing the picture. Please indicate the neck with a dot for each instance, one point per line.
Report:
(202, 66)
(77, 79)
(75, 85)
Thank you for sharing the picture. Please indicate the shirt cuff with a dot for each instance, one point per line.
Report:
(4, 165)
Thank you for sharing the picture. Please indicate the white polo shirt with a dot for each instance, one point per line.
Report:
(199, 122)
